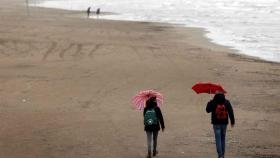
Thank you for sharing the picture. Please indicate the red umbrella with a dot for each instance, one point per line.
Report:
(207, 87)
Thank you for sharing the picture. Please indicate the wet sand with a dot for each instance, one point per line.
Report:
(67, 81)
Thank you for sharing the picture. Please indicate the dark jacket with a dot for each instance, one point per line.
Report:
(160, 120)
(211, 107)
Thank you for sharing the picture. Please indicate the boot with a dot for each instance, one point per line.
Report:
(155, 152)
(149, 155)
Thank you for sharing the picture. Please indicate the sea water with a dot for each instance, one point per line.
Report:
(250, 26)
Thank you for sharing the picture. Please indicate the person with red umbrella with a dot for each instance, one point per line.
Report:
(221, 110)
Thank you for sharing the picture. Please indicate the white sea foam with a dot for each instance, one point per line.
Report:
(250, 26)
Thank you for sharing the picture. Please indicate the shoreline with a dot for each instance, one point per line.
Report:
(235, 51)
(67, 83)
(201, 37)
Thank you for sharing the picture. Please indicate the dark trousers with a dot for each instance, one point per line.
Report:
(152, 140)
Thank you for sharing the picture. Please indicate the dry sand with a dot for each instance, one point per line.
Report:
(67, 81)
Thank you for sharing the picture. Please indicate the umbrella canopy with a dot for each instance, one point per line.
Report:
(207, 87)
(139, 100)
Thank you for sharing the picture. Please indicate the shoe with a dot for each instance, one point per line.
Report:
(155, 153)
(149, 155)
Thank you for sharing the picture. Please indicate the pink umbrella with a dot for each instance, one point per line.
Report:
(139, 100)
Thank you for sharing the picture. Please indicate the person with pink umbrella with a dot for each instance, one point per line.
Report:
(150, 101)
(153, 120)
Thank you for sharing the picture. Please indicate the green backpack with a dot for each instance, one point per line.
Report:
(150, 117)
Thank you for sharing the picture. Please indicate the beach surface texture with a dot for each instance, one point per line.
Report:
(66, 84)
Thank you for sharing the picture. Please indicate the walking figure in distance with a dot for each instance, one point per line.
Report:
(221, 110)
(88, 11)
(153, 120)
(98, 11)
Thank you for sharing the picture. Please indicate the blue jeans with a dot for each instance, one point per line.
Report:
(220, 137)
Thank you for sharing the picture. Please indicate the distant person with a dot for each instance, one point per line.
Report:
(88, 11)
(153, 120)
(98, 11)
(221, 110)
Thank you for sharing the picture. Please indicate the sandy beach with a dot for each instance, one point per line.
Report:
(67, 83)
